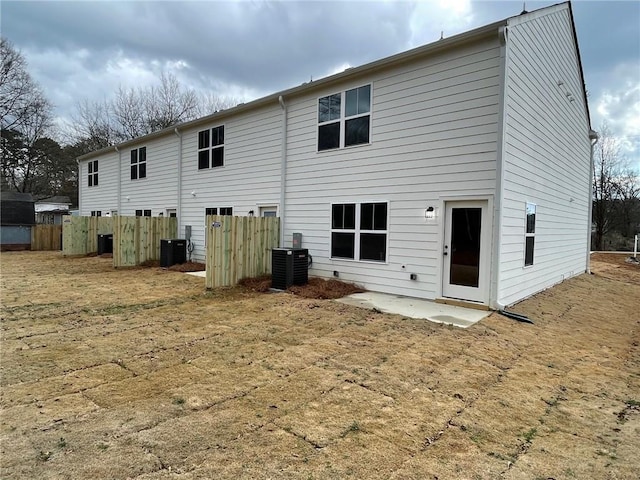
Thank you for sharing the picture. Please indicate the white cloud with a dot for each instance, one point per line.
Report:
(619, 106)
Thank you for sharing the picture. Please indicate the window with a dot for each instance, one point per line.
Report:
(92, 179)
(221, 210)
(143, 213)
(348, 112)
(138, 163)
(529, 236)
(96, 213)
(359, 231)
(211, 148)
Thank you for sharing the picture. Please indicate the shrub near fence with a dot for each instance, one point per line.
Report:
(239, 247)
(46, 237)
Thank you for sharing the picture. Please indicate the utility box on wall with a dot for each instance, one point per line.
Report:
(172, 251)
(289, 266)
(297, 240)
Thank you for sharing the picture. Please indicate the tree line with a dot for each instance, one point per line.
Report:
(39, 155)
(616, 196)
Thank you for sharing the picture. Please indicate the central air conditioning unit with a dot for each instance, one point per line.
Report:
(289, 266)
(172, 251)
(105, 243)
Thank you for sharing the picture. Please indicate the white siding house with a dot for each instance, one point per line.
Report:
(412, 175)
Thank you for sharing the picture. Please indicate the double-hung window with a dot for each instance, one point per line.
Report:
(92, 179)
(138, 163)
(211, 148)
(344, 119)
(529, 236)
(359, 231)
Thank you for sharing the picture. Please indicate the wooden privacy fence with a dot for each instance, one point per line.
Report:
(80, 234)
(46, 237)
(137, 239)
(239, 247)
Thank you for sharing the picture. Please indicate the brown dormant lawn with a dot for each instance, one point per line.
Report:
(142, 374)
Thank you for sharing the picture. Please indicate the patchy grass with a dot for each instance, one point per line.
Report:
(141, 374)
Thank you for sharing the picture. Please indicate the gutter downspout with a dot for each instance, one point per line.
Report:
(119, 204)
(283, 168)
(497, 205)
(179, 204)
(593, 137)
(79, 186)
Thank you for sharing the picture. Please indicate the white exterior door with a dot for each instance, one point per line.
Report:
(466, 251)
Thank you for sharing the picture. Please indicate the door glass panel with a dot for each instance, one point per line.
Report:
(465, 246)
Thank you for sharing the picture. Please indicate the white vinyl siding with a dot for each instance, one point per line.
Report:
(158, 191)
(546, 156)
(104, 196)
(251, 173)
(433, 133)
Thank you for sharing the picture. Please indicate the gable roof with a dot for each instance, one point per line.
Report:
(409, 55)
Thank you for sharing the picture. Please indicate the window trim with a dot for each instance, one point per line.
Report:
(357, 231)
(528, 234)
(218, 212)
(92, 173)
(138, 163)
(210, 148)
(343, 119)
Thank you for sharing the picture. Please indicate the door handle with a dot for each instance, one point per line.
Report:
(445, 253)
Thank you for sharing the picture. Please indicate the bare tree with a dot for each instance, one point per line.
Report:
(627, 201)
(20, 96)
(169, 104)
(616, 190)
(93, 125)
(26, 118)
(211, 103)
(136, 112)
(605, 160)
(128, 110)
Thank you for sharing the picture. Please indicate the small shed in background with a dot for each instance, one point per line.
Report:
(49, 211)
(17, 216)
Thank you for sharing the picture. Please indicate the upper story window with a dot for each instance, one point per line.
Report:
(138, 163)
(211, 148)
(530, 232)
(359, 231)
(92, 179)
(143, 213)
(344, 119)
(96, 213)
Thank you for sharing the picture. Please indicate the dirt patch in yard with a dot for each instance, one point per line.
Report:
(141, 373)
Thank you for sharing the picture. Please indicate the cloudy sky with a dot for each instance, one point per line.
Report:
(248, 49)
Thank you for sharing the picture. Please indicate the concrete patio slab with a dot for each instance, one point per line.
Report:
(416, 308)
(202, 274)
